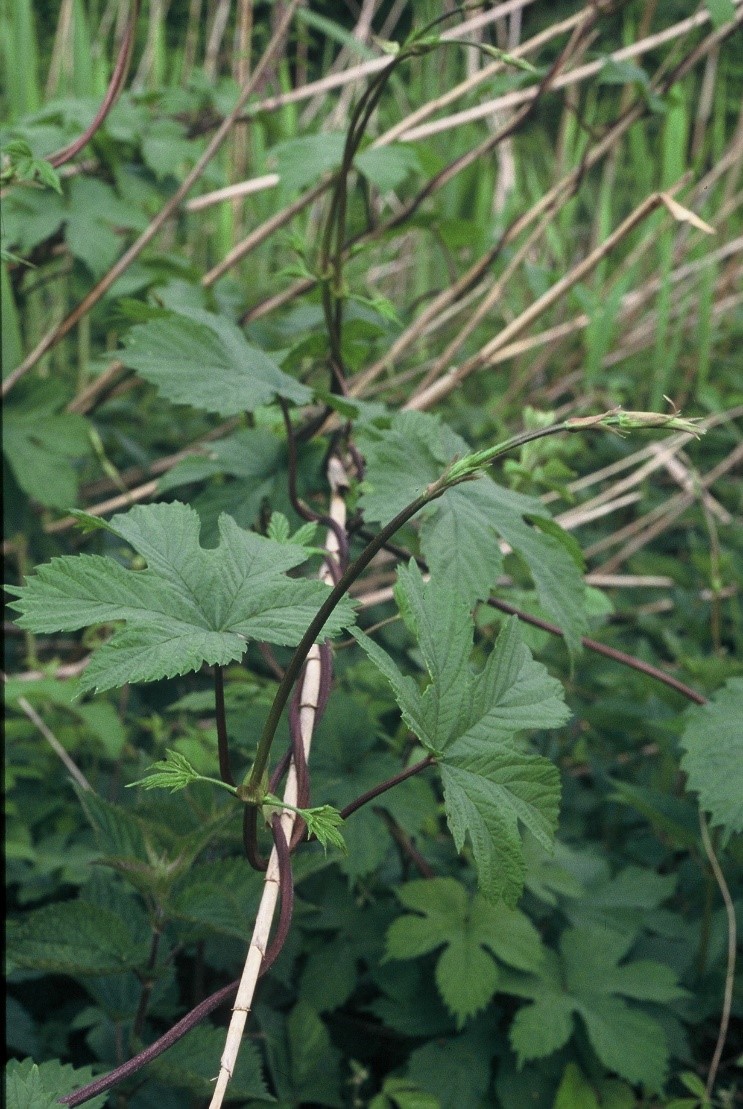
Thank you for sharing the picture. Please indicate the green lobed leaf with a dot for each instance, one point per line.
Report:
(77, 938)
(193, 1064)
(466, 973)
(713, 759)
(190, 606)
(460, 531)
(30, 1085)
(40, 446)
(468, 721)
(204, 360)
(591, 981)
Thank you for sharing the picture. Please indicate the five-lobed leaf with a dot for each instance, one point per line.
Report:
(190, 606)
(590, 981)
(466, 926)
(468, 721)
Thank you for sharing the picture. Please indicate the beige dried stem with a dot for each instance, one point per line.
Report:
(281, 218)
(446, 382)
(308, 712)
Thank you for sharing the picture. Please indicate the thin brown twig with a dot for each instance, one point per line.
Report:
(116, 84)
(727, 1003)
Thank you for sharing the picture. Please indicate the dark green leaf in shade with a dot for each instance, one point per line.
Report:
(193, 1064)
(457, 1069)
(469, 721)
(190, 606)
(471, 931)
(304, 1064)
(40, 446)
(713, 759)
(590, 980)
(76, 938)
(204, 360)
(30, 1085)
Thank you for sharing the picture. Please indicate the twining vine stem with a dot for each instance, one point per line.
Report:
(462, 470)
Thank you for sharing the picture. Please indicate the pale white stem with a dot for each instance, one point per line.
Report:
(233, 192)
(374, 65)
(271, 888)
(27, 708)
(564, 80)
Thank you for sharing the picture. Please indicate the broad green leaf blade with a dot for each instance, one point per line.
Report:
(508, 933)
(713, 762)
(539, 1029)
(30, 1085)
(575, 1091)
(443, 903)
(190, 606)
(405, 690)
(388, 166)
(40, 448)
(76, 938)
(193, 1063)
(205, 360)
(466, 977)
(486, 793)
(469, 722)
(442, 625)
(302, 161)
(444, 913)
(626, 1040)
(460, 531)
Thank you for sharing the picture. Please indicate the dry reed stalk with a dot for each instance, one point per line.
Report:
(573, 77)
(308, 711)
(121, 265)
(258, 235)
(447, 382)
(641, 531)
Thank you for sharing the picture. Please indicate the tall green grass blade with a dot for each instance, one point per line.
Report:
(83, 79)
(20, 58)
(12, 342)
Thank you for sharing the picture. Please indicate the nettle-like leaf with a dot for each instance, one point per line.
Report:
(193, 1062)
(713, 762)
(204, 360)
(459, 531)
(589, 980)
(41, 445)
(190, 606)
(76, 938)
(469, 721)
(30, 1085)
(472, 931)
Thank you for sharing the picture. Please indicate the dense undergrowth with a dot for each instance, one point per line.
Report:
(306, 259)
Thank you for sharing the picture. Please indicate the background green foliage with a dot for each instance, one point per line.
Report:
(407, 982)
